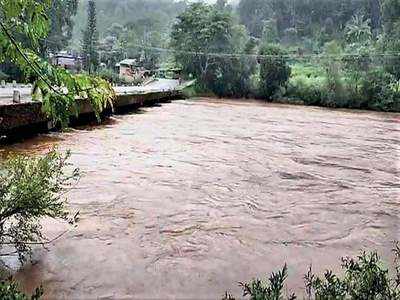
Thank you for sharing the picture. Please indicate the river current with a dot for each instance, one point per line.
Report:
(186, 199)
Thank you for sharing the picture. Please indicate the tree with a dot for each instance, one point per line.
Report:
(55, 87)
(91, 39)
(358, 30)
(391, 39)
(139, 38)
(333, 67)
(253, 13)
(30, 189)
(61, 24)
(375, 13)
(274, 71)
(306, 17)
(208, 45)
(202, 30)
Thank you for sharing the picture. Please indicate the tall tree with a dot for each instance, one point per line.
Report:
(91, 39)
(205, 38)
(61, 26)
(375, 12)
(391, 25)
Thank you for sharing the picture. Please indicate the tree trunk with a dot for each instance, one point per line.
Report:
(375, 11)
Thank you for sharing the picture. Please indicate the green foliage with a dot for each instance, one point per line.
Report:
(274, 71)
(390, 41)
(307, 18)
(272, 289)
(360, 85)
(310, 90)
(358, 30)
(391, 16)
(9, 290)
(364, 277)
(61, 24)
(211, 33)
(253, 13)
(91, 39)
(144, 14)
(110, 76)
(30, 189)
(392, 61)
(56, 87)
(270, 32)
(380, 91)
(334, 85)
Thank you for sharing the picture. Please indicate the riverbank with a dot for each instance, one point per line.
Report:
(27, 117)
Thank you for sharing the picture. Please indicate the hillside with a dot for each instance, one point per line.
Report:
(126, 11)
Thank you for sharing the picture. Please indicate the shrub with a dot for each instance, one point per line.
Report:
(378, 88)
(364, 278)
(9, 291)
(30, 189)
(111, 76)
(309, 89)
(274, 71)
(334, 94)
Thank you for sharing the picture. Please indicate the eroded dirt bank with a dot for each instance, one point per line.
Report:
(189, 198)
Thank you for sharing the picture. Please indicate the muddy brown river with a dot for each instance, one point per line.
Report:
(186, 199)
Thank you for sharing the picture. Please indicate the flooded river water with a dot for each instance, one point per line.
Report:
(187, 199)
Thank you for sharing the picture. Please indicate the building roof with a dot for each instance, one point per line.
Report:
(127, 62)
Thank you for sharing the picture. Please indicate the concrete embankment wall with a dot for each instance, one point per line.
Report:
(28, 117)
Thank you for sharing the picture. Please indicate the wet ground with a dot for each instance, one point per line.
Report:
(187, 199)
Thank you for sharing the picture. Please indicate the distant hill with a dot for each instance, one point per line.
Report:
(126, 11)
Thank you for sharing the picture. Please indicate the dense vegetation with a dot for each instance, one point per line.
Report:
(322, 52)
(364, 277)
(129, 29)
(331, 53)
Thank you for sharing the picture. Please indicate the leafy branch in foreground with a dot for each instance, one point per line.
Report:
(9, 291)
(56, 87)
(31, 189)
(364, 277)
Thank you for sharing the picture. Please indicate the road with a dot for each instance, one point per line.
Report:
(6, 93)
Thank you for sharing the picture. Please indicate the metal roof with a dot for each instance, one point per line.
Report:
(128, 62)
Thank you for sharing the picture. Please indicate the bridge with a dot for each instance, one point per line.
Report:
(27, 116)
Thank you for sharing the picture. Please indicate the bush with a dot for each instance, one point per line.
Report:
(111, 76)
(392, 60)
(378, 88)
(334, 95)
(364, 278)
(30, 190)
(9, 291)
(274, 71)
(307, 84)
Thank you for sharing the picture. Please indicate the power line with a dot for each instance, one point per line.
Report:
(261, 56)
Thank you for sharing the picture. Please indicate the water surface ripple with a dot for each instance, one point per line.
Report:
(187, 199)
